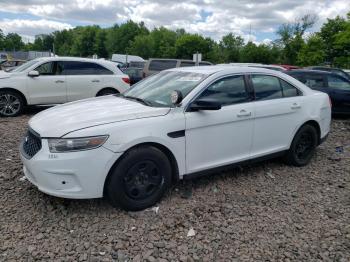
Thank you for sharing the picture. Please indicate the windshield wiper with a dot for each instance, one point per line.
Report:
(142, 101)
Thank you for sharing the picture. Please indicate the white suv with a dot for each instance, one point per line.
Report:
(172, 125)
(56, 80)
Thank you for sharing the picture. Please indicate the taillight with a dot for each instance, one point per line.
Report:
(126, 80)
(330, 102)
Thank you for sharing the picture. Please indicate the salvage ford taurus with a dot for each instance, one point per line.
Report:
(180, 122)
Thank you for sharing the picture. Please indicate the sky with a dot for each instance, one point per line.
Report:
(213, 18)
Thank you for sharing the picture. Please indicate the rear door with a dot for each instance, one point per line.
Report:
(339, 92)
(278, 109)
(49, 87)
(84, 79)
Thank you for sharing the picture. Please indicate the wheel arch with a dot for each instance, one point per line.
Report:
(163, 148)
(15, 91)
(313, 123)
(107, 88)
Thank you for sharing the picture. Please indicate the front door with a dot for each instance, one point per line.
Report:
(339, 92)
(49, 87)
(222, 137)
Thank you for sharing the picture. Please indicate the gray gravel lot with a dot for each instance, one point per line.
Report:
(268, 211)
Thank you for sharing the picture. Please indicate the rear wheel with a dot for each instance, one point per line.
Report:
(11, 104)
(107, 91)
(140, 179)
(303, 146)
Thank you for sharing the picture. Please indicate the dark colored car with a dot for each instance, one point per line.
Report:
(336, 86)
(134, 73)
(337, 71)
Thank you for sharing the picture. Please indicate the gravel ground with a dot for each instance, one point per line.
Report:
(268, 211)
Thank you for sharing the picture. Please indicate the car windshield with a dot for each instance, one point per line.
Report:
(156, 89)
(25, 66)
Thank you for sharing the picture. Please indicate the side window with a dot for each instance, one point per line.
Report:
(314, 81)
(229, 90)
(266, 87)
(84, 68)
(338, 83)
(289, 90)
(46, 68)
(159, 65)
(100, 70)
(187, 63)
(204, 64)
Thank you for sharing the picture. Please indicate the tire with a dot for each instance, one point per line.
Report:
(107, 91)
(303, 146)
(140, 179)
(11, 103)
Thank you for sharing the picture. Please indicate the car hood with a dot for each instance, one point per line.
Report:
(63, 119)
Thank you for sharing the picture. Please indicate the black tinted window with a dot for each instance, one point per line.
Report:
(230, 90)
(338, 83)
(159, 65)
(314, 81)
(46, 68)
(288, 90)
(187, 63)
(84, 68)
(266, 87)
(204, 63)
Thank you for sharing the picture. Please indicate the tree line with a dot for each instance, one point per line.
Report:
(294, 45)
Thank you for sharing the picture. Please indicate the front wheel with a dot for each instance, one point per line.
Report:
(303, 146)
(140, 179)
(11, 104)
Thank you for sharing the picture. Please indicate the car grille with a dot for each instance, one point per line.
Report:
(31, 144)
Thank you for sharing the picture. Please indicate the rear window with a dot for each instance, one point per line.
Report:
(159, 65)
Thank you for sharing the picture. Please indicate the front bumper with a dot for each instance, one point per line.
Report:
(77, 175)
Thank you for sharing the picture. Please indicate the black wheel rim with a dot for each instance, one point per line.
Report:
(142, 180)
(9, 105)
(304, 146)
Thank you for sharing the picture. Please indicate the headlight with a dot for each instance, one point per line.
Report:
(75, 144)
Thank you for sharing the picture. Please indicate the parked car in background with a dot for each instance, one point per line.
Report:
(56, 80)
(174, 124)
(155, 65)
(337, 71)
(336, 86)
(8, 64)
(134, 73)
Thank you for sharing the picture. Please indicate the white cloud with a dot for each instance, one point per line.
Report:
(212, 18)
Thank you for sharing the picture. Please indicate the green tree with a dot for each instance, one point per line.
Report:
(313, 52)
(189, 44)
(231, 47)
(143, 45)
(291, 37)
(13, 41)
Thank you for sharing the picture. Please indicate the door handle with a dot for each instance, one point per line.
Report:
(95, 81)
(295, 106)
(59, 81)
(244, 113)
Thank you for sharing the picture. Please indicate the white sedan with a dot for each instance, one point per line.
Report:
(57, 80)
(175, 124)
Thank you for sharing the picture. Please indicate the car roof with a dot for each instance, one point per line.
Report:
(222, 68)
(69, 58)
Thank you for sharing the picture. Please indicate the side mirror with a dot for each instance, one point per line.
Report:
(33, 73)
(205, 104)
(176, 97)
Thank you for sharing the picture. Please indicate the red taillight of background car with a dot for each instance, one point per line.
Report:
(126, 80)
(330, 102)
